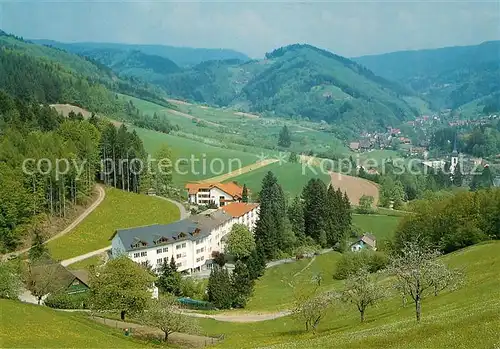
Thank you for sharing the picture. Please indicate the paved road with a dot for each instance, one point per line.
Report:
(69, 261)
(102, 195)
(183, 212)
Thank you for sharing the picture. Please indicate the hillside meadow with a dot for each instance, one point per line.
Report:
(120, 209)
(466, 318)
(291, 177)
(204, 166)
(33, 326)
(383, 227)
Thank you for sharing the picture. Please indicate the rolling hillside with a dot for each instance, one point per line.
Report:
(182, 56)
(297, 81)
(72, 69)
(448, 77)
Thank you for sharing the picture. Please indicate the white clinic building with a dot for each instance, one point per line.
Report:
(190, 241)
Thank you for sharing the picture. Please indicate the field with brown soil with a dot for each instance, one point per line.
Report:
(355, 187)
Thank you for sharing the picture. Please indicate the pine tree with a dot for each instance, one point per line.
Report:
(314, 195)
(266, 235)
(242, 284)
(333, 216)
(244, 193)
(284, 138)
(271, 225)
(296, 217)
(38, 249)
(220, 288)
(173, 265)
(169, 280)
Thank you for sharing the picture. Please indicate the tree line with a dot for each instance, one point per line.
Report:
(453, 222)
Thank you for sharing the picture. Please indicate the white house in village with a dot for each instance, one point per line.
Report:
(190, 241)
(219, 193)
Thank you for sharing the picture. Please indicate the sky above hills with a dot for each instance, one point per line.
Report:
(346, 28)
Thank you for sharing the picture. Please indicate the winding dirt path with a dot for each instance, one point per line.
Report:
(243, 317)
(307, 266)
(100, 198)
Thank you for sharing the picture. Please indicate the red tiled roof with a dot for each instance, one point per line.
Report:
(238, 209)
(230, 188)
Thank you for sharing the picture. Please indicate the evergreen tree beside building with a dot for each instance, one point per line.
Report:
(271, 225)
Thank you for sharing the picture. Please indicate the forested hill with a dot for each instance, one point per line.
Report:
(46, 75)
(299, 81)
(32, 192)
(448, 77)
(182, 56)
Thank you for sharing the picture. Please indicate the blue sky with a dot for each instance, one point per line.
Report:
(346, 28)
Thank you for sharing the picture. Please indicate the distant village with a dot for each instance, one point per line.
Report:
(398, 139)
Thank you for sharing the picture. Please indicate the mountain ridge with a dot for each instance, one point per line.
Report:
(448, 77)
(182, 56)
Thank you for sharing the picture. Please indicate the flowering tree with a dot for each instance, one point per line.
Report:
(418, 272)
(361, 290)
(310, 309)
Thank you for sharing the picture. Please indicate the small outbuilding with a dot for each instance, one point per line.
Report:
(367, 241)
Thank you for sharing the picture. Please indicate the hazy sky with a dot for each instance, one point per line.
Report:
(347, 28)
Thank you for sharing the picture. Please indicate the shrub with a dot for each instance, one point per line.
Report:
(192, 288)
(365, 205)
(67, 301)
(352, 262)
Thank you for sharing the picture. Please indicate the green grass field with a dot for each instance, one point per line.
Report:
(290, 176)
(119, 209)
(383, 227)
(277, 288)
(31, 326)
(466, 318)
(205, 166)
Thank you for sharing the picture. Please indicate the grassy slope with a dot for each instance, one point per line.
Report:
(383, 227)
(289, 175)
(224, 128)
(467, 318)
(31, 326)
(118, 210)
(184, 148)
(274, 290)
